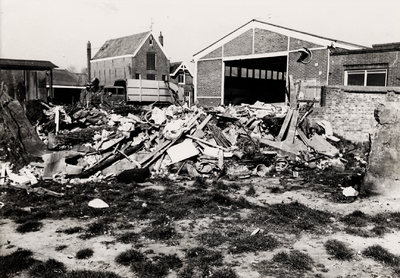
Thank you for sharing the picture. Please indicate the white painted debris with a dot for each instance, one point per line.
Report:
(182, 151)
(98, 203)
(350, 192)
(27, 173)
(255, 232)
(158, 116)
(261, 170)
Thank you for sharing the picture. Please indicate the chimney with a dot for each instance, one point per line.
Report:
(89, 57)
(161, 39)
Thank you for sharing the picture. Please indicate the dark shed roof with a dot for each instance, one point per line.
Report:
(14, 64)
(65, 78)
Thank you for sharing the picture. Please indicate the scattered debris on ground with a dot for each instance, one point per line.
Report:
(136, 143)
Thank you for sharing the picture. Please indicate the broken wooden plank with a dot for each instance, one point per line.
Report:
(208, 143)
(292, 127)
(285, 125)
(100, 166)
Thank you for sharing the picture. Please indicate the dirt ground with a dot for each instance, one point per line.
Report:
(44, 243)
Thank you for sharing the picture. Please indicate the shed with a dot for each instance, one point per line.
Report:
(255, 61)
(26, 79)
(67, 86)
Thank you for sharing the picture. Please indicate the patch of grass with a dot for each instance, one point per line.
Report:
(49, 269)
(212, 239)
(338, 250)
(32, 217)
(129, 237)
(147, 269)
(292, 218)
(100, 227)
(160, 232)
(224, 273)
(163, 219)
(200, 182)
(219, 185)
(379, 230)
(84, 254)
(356, 218)
(15, 262)
(159, 267)
(380, 254)
(171, 261)
(14, 213)
(251, 191)
(387, 219)
(91, 274)
(130, 256)
(202, 257)
(60, 247)
(283, 264)
(30, 226)
(362, 232)
(73, 230)
(258, 242)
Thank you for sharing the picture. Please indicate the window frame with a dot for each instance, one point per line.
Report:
(181, 78)
(149, 65)
(365, 72)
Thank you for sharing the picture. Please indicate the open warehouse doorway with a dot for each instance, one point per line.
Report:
(258, 79)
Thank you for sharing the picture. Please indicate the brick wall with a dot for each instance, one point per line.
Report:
(209, 76)
(241, 45)
(350, 110)
(295, 44)
(217, 53)
(266, 41)
(209, 102)
(387, 59)
(316, 69)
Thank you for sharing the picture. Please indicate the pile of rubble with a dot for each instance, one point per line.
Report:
(132, 144)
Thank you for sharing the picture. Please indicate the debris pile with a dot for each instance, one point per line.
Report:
(131, 143)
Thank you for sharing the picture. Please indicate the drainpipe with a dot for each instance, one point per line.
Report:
(89, 57)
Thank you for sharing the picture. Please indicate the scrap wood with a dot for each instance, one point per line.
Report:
(285, 125)
(199, 130)
(319, 144)
(207, 143)
(36, 190)
(156, 154)
(103, 164)
(219, 136)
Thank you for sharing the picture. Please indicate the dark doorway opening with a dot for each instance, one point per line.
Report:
(251, 80)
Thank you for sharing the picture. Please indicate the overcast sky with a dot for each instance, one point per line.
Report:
(58, 30)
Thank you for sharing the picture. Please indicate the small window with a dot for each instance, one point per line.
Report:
(181, 78)
(234, 72)
(151, 77)
(280, 75)
(257, 73)
(227, 71)
(243, 73)
(274, 75)
(164, 77)
(137, 75)
(263, 72)
(269, 74)
(250, 73)
(151, 61)
(365, 78)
